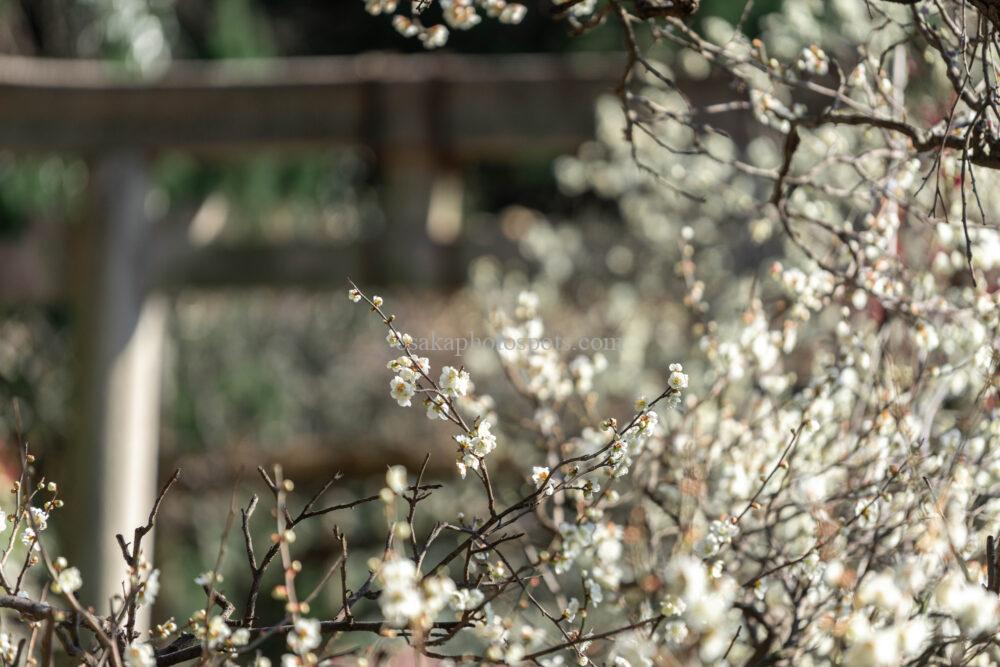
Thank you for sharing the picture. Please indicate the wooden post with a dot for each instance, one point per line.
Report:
(121, 335)
(404, 137)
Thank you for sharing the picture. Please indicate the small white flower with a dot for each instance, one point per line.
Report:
(513, 13)
(465, 599)
(140, 655)
(39, 518)
(218, 632)
(395, 479)
(675, 632)
(149, 589)
(304, 636)
(376, 7)
(404, 26)
(354, 295)
(436, 408)
(678, 378)
(401, 600)
(527, 305)
(466, 462)
(434, 37)
(205, 578)
(8, 648)
(572, 607)
(399, 341)
(29, 538)
(540, 476)
(401, 391)
(422, 363)
(484, 441)
(240, 637)
(68, 580)
(454, 382)
(671, 605)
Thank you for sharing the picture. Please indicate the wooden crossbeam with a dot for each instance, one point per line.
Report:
(479, 107)
(412, 111)
(289, 265)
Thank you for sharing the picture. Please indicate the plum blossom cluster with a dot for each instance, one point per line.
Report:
(587, 545)
(407, 600)
(831, 459)
(456, 14)
(448, 398)
(540, 370)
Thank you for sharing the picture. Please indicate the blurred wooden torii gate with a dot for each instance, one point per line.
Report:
(420, 114)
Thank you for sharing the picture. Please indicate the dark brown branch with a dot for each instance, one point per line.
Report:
(193, 651)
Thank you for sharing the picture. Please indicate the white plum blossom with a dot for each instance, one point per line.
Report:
(205, 578)
(436, 408)
(407, 600)
(465, 599)
(410, 367)
(474, 447)
(221, 637)
(401, 391)
(571, 610)
(68, 580)
(457, 14)
(399, 341)
(304, 636)
(671, 605)
(39, 519)
(676, 632)
(720, 533)
(454, 382)
(813, 61)
(434, 37)
(678, 380)
(400, 600)
(140, 655)
(527, 305)
(540, 476)
(380, 6)
(8, 648)
(29, 538)
(395, 479)
(513, 13)
(148, 589)
(975, 609)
